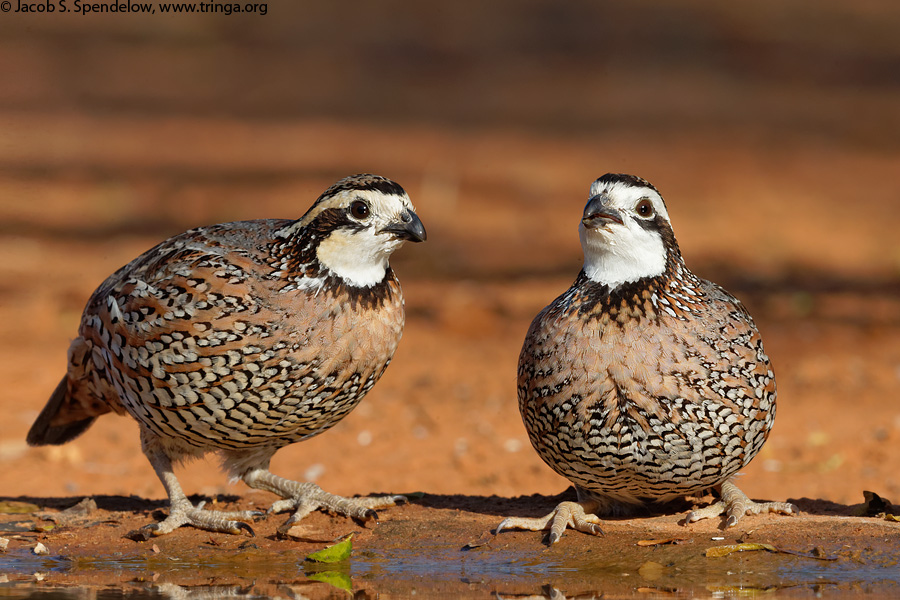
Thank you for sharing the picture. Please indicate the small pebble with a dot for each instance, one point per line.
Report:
(40, 549)
(314, 471)
(512, 445)
(4, 542)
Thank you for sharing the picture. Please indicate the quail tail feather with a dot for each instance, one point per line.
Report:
(61, 420)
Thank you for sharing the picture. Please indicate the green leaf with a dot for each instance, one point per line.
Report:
(718, 551)
(335, 553)
(336, 579)
(11, 507)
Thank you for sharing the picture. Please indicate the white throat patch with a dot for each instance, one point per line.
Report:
(360, 258)
(621, 254)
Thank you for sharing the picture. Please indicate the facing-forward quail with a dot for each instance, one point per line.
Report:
(242, 338)
(642, 383)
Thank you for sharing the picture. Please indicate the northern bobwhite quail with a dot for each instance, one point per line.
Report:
(242, 338)
(642, 383)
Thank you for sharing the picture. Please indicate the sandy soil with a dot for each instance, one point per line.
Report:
(774, 190)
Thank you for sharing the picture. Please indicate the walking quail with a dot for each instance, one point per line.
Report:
(642, 383)
(242, 338)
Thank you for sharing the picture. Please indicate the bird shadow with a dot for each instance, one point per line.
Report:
(111, 503)
(873, 505)
(534, 505)
(538, 505)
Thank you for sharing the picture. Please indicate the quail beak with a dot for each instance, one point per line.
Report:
(597, 214)
(409, 227)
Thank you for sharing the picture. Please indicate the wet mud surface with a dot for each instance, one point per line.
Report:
(439, 545)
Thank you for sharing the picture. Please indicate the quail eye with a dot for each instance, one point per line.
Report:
(359, 209)
(644, 208)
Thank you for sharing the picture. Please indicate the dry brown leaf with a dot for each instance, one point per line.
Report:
(486, 538)
(662, 542)
(651, 571)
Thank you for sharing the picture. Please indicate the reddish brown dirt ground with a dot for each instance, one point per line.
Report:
(799, 220)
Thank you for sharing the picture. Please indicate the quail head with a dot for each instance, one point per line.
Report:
(642, 383)
(242, 338)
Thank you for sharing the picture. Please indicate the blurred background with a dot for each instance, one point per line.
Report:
(772, 128)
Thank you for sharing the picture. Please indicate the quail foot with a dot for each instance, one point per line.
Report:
(243, 338)
(642, 383)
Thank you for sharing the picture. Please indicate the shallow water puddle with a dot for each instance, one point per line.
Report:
(435, 570)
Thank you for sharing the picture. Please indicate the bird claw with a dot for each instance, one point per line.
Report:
(500, 527)
(734, 504)
(707, 512)
(195, 516)
(575, 515)
(369, 515)
(281, 505)
(241, 526)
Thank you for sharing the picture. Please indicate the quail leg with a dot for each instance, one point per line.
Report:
(576, 515)
(305, 497)
(735, 504)
(182, 512)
